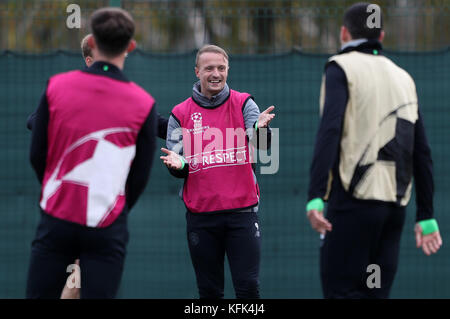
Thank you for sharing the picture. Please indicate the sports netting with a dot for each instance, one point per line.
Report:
(158, 263)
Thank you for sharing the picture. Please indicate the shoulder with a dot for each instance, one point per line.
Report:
(234, 93)
(401, 71)
(141, 92)
(240, 98)
(334, 72)
(64, 75)
(63, 78)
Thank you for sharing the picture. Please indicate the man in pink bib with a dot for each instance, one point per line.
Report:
(92, 146)
(209, 139)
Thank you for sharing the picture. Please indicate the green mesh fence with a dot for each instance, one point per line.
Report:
(158, 263)
(242, 26)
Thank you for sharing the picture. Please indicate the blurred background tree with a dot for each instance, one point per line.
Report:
(251, 26)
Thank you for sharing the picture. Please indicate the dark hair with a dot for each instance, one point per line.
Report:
(113, 28)
(85, 48)
(356, 18)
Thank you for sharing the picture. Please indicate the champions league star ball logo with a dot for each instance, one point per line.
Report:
(197, 118)
(198, 128)
(102, 153)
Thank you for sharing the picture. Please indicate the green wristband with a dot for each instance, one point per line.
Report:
(182, 163)
(256, 125)
(315, 204)
(428, 226)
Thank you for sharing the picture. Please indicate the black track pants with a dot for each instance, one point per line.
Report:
(58, 243)
(210, 237)
(368, 235)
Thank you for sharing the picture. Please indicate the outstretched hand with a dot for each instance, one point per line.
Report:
(430, 243)
(172, 159)
(265, 117)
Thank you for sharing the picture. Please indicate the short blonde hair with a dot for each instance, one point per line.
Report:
(85, 48)
(210, 48)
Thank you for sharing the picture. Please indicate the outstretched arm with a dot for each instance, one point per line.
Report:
(266, 117)
(174, 144)
(257, 124)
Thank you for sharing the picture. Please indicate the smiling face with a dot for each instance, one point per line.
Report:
(212, 71)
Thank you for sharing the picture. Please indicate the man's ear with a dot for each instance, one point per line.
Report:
(131, 46)
(88, 61)
(345, 35)
(91, 42)
(381, 38)
(196, 72)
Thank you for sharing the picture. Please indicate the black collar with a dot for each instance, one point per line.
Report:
(106, 69)
(370, 47)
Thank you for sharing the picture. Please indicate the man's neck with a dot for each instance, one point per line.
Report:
(118, 61)
(211, 101)
(353, 43)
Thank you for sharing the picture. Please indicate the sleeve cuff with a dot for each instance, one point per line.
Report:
(429, 226)
(183, 162)
(315, 204)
